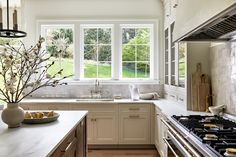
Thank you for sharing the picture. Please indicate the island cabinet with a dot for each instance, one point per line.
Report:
(74, 145)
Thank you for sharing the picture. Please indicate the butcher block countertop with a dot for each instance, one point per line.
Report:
(38, 140)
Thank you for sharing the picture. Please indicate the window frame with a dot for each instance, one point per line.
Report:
(116, 73)
(84, 26)
(43, 28)
(151, 27)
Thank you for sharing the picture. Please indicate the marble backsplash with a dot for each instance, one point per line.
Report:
(223, 75)
(84, 90)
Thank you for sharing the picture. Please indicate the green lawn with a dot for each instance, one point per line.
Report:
(90, 70)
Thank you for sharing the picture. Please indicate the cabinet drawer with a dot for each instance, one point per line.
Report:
(70, 150)
(95, 107)
(66, 145)
(134, 108)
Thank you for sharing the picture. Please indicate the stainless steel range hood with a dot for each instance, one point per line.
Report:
(216, 25)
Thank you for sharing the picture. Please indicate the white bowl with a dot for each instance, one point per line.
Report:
(216, 110)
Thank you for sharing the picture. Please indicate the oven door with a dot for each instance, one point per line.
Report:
(177, 145)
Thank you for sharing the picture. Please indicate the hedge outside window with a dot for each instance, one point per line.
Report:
(135, 52)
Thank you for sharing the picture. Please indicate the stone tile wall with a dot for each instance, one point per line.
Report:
(108, 90)
(223, 75)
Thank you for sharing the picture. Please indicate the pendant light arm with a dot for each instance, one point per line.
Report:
(7, 14)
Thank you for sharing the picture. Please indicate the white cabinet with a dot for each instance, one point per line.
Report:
(105, 128)
(90, 129)
(134, 124)
(160, 133)
(102, 122)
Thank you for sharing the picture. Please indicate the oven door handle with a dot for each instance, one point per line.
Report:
(178, 137)
(179, 146)
(168, 144)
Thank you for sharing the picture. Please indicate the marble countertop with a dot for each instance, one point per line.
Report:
(168, 107)
(37, 140)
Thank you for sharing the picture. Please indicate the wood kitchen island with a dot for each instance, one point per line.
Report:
(65, 137)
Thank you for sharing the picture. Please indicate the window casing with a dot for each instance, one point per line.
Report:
(115, 61)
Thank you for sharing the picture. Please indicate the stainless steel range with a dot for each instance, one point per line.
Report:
(208, 136)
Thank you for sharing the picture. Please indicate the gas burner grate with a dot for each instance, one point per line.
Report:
(216, 132)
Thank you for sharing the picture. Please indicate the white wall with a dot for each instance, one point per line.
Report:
(34, 10)
(39, 10)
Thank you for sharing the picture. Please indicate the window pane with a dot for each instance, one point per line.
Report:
(90, 52)
(128, 70)
(90, 69)
(104, 35)
(90, 36)
(104, 53)
(143, 70)
(127, 35)
(136, 51)
(59, 44)
(143, 35)
(55, 67)
(128, 53)
(97, 52)
(182, 56)
(143, 53)
(104, 70)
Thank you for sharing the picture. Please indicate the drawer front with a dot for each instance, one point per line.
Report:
(134, 108)
(95, 107)
(67, 145)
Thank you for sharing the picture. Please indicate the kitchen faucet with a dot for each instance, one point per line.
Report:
(96, 92)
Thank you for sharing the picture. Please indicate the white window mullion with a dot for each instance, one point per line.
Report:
(117, 52)
(81, 56)
(77, 52)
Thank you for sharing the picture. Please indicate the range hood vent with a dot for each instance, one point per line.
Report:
(222, 27)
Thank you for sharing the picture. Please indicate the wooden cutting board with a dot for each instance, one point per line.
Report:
(195, 82)
(203, 92)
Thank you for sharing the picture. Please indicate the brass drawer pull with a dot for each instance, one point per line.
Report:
(134, 109)
(134, 116)
(70, 145)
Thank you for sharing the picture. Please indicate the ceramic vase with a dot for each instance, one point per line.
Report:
(13, 115)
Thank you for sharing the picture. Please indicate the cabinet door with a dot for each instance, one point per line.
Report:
(90, 121)
(105, 128)
(82, 141)
(134, 128)
(157, 130)
(162, 134)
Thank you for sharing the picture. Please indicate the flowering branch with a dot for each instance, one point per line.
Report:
(24, 71)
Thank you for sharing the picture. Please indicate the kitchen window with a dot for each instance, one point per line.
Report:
(59, 44)
(136, 50)
(108, 50)
(97, 51)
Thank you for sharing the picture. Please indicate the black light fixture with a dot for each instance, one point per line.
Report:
(11, 33)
